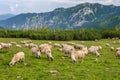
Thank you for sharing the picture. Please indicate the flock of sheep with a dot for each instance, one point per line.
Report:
(75, 51)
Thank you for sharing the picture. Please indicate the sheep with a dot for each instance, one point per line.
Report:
(36, 51)
(5, 45)
(118, 53)
(0, 47)
(118, 49)
(79, 54)
(94, 50)
(70, 43)
(23, 42)
(67, 49)
(107, 44)
(30, 45)
(17, 57)
(82, 42)
(112, 48)
(46, 48)
(13, 43)
(49, 43)
(26, 45)
(18, 46)
(77, 46)
(57, 45)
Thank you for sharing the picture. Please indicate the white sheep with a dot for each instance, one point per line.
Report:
(36, 51)
(112, 48)
(6, 45)
(78, 46)
(0, 47)
(32, 45)
(13, 42)
(49, 43)
(70, 43)
(46, 48)
(57, 45)
(107, 44)
(94, 50)
(18, 46)
(79, 54)
(17, 57)
(118, 49)
(67, 49)
(118, 53)
(26, 45)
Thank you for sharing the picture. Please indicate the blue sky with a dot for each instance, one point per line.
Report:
(38, 6)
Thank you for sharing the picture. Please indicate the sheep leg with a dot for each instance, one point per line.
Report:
(50, 56)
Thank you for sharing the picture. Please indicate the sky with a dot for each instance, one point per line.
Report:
(39, 6)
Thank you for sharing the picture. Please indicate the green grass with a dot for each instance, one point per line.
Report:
(107, 67)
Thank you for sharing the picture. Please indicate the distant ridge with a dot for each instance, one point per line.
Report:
(86, 15)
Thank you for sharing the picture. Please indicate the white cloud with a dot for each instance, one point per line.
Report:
(12, 8)
(61, 1)
(16, 5)
(24, 6)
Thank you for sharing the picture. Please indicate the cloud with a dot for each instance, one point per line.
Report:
(16, 5)
(61, 1)
(38, 6)
(12, 8)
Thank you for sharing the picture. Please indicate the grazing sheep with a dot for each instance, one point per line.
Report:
(77, 46)
(57, 45)
(18, 46)
(49, 43)
(82, 42)
(23, 42)
(70, 43)
(94, 50)
(118, 53)
(17, 57)
(118, 49)
(36, 51)
(13, 43)
(112, 48)
(67, 49)
(107, 44)
(72, 55)
(32, 45)
(26, 45)
(79, 54)
(0, 47)
(5, 45)
(46, 48)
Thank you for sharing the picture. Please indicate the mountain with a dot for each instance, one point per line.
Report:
(5, 16)
(84, 15)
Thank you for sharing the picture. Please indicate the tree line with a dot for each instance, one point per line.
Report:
(61, 35)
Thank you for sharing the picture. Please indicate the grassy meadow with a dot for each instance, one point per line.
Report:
(106, 67)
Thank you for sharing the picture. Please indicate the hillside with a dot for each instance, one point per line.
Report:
(6, 16)
(85, 15)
